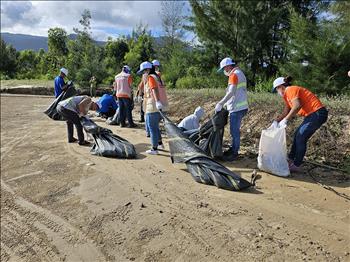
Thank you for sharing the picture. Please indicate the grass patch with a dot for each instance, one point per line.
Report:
(24, 82)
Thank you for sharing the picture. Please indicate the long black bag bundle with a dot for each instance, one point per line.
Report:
(210, 135)
(107, 144)
(202, 167)
(51, 111)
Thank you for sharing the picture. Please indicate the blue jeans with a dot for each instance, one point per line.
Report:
(307, 128)
(125, 110)
(152, 122)
(235, 126)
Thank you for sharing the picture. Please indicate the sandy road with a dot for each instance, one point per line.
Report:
(60, 203)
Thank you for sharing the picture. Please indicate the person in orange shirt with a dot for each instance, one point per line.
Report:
(299, 101)
(123, 88)
(155, 100)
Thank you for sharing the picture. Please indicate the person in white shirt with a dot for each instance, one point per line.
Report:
(72, 109)
(190, 124)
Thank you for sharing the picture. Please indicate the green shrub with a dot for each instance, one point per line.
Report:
(82, 77)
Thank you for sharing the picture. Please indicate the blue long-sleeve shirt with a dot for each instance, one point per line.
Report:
(59, 83)
(106, 102)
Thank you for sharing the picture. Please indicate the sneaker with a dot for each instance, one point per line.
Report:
(122, 125)
(161, 147)
(152, 152)
(73, 140)
(228, 152)
(84, 143)
(295, 169)
(230, 158)
(132, 125)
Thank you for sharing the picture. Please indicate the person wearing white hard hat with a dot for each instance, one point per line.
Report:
(236, 102)
(155, 99)
(299, 101)
(156, 64)
(124, 94)
(59, 83)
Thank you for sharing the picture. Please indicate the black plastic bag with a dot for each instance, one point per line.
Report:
(210, 135)
(202, 167)
(51, 111)
(107, 144)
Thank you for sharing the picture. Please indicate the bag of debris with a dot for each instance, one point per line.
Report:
(202, 167)
(114, 120)
(210, 135)
(106, 143)
(51, 111)
(272, 156)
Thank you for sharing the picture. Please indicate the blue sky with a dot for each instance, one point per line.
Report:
(109, 18)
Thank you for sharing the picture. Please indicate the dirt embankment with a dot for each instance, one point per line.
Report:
(60, 203)
(329, 145)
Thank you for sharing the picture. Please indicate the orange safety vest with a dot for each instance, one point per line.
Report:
(149, 99)
(122, 86)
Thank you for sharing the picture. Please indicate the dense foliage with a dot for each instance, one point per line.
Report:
(307, 39)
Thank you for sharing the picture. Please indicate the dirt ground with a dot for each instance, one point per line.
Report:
(60, 203)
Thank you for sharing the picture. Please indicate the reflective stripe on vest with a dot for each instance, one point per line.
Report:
(243, 84)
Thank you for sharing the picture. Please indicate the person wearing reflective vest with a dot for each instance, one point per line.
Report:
(123, 88)
(236, 102)
(155, 99)
(299, 101)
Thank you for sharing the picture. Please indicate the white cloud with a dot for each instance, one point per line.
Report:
(108, 17)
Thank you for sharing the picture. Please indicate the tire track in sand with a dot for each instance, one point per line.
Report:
(51, 238)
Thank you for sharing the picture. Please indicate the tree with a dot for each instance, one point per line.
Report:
(141, 48)
(172, 23)
(57, 41)
(233, 28)
(8, 59)
(319, 54)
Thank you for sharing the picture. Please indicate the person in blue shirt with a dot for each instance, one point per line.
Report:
(107, 105)
(60, 85)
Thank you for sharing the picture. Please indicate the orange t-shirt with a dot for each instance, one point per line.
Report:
(152, 83)
(233, 79)
(308, 101)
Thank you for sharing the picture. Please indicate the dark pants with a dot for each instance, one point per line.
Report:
(111, 112)
(142, 113)
(125, 110)
(72, 118)
(307, 128)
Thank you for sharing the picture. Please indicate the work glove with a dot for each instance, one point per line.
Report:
(273, 125)
(283, 123)
(138, 99)
(218, 107)
(159, 105)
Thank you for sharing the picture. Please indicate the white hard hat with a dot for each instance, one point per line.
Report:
(127, 67)
(64, 71)
(156, 63)
(143, 66)
(278, 81)
(225, 62)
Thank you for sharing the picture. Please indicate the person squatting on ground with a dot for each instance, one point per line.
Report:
(236, 102)
(123, 88)
(301, 101)
(93, 85)
(107, 105)
(59, 83)
(72, 109)
(155, 99)
(190, 124)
